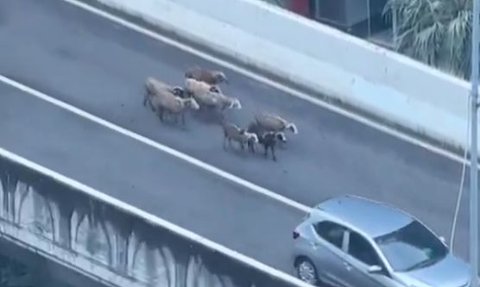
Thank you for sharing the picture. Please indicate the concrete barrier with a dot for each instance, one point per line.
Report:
(365, 76)
(112, 242)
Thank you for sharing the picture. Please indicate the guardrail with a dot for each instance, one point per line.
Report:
(111, 241)
(388, 86)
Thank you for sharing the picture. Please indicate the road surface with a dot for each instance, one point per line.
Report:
(144, 177)
(99, 66)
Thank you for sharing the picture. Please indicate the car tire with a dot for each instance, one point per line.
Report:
(306, 271)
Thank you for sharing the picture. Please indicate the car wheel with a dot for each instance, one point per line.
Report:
(306, 271)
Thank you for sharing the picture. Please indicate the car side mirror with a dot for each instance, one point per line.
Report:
(375, 269)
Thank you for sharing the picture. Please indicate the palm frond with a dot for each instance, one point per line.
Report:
(437, 32)
(428, 42)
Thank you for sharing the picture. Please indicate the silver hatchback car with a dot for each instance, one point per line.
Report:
(351, 241)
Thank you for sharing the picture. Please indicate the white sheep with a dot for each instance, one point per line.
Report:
(202, 91)
(273, 122)
(210, 95)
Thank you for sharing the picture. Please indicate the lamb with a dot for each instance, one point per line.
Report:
(162, 99)
(211, 77)
(273, 122)
(266, 138)
(209, 95)
(234, 132)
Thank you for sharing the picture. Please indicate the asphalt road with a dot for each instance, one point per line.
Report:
(99, 66)
(146, 178)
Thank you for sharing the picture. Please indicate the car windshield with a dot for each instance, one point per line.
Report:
(411, 247)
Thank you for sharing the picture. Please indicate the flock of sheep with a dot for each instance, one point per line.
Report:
(201, 91)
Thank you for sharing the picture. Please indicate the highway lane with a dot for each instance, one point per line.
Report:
(140, 175)
(100, 66)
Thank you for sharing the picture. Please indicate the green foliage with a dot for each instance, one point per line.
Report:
(436, 32)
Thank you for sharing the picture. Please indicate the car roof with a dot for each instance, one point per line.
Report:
(368, 216)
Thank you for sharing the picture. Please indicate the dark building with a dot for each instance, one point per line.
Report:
(356, 17)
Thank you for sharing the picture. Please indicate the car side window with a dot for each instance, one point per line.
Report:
(362, 250)
(331, 232)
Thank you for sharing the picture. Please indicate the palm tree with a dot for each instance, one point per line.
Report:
(436, 32)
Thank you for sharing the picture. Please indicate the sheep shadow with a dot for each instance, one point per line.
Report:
(236, 151)
(209, 115)
(170, 123)
(258, 154)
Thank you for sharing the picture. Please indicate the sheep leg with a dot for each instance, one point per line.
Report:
(149, 100)
(160, 112)
(251, 146)
(242, 146)
(183, 118)
(265, 147)
(224, 142)
(175, 116)
(274, 157)
(152, 108)
(172, 115)
(229, 142)
(145, 99)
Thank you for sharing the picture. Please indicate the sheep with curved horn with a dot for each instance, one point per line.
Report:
(210, 95)
(233, 132)
(202, 91)
(273, 122)
(268, 139)
(163, 100)
(229, 102)
(212, 77)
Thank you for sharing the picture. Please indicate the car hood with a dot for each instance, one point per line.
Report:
(449, 272)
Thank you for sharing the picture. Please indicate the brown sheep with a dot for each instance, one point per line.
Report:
(273, 122)
(154, 86)
(211, 77)
(162, 99)
(177, 107)
(233, 132)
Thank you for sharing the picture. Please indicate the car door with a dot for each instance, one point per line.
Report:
(329, 250)
(360, 256)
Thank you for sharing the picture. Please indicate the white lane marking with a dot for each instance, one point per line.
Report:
(284, 88)
(150, 217)
(205, 166)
